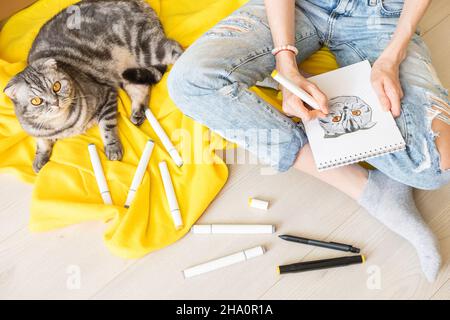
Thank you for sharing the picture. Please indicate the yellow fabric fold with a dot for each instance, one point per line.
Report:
(65, 191)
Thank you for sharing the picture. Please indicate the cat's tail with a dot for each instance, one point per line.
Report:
(142, 75)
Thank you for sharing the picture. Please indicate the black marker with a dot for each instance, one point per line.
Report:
(323, 244)
(321, 264)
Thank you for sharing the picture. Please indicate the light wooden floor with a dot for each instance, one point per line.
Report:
(43, 265)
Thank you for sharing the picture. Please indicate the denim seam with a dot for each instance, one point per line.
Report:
(388, 13)
(330, 23)
(264, 52)
(273, 112)
(356, 50)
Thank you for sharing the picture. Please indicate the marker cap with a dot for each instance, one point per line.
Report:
(201, 229)
(177, 220)
(274, 73)
(130, 198)
(106, 196)
(254, 252)
(258, 204)
(176, 157)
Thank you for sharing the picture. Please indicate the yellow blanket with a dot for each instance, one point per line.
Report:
(65, 191)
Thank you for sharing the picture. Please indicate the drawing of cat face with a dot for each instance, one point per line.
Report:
(347, 114)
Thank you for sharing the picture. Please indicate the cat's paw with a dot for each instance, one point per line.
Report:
(39, 161)
(137, 118)
(114, 151)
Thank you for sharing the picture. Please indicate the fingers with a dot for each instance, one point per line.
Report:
(394, 96)
(293, 106)
(381, 94)
(318, 96)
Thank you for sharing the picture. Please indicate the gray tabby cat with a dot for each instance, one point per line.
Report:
(347, 114)
(73, 74)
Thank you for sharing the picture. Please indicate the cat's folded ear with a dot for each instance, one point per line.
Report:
(173, 50)
(51, 64)
(13, 87)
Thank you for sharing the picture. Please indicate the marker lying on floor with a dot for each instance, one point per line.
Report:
(318, 243)
(99, 175)
(170, 195)
(295, 89)
(140, 171)
(321, 264)
(224, 261)
(233, 229)
(163, 137)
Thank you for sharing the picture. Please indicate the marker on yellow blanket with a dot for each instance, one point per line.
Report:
(295, 89)
(170, 195)
(140, 171)
(163, 137)
(99, 175)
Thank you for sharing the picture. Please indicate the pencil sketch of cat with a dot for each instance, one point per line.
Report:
(347, 114)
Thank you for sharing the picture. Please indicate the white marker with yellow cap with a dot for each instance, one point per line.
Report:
(224, 261)
(295, 89)
(140, 171)
(99, 175)
(168, 145)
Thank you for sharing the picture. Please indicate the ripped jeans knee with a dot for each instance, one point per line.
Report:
(434, 149)
(439, 116)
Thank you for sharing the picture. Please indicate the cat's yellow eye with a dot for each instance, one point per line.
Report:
(336, 119)
(356, 112)
(57, 86)
(36, 101)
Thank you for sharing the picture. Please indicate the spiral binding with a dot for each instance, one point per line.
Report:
(361, 156)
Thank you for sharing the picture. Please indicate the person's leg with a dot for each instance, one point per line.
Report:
(388, 195)
(210, 83)
(233, 56)
(350, 179)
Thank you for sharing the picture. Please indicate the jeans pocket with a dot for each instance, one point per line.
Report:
(391, 7)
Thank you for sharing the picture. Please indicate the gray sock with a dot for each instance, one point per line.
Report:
(392, 204)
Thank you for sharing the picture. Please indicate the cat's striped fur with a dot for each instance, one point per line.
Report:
(115, 43)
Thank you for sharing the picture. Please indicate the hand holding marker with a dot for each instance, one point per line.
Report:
(295, 89)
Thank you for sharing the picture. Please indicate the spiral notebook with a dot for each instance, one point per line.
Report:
(357, 128)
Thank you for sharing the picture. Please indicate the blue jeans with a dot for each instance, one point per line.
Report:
(210, 82)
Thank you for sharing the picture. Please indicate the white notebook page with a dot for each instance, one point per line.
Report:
(350, 88)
